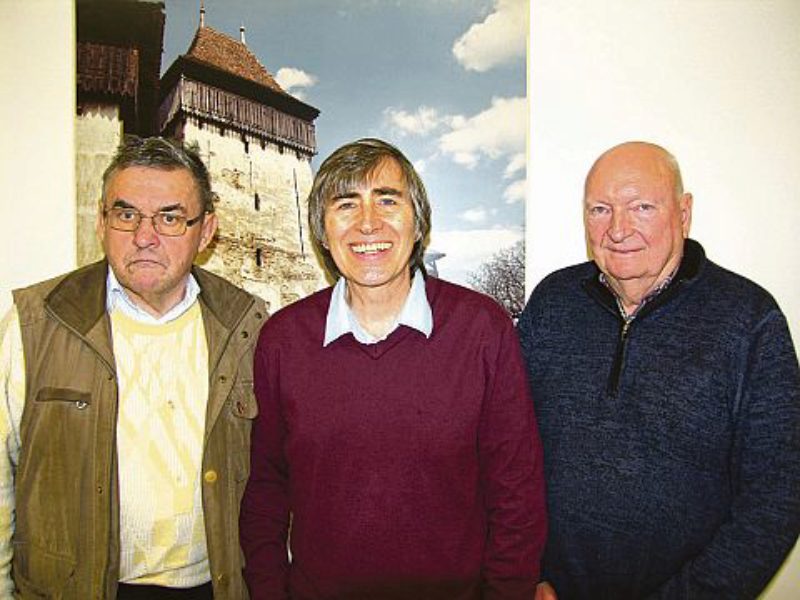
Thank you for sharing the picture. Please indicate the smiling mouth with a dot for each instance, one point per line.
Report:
(625, 250)
(371, 248)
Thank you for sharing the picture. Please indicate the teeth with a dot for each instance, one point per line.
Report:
(373, 247)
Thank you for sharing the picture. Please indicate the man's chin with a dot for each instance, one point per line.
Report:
(142, 283)
(625, 275)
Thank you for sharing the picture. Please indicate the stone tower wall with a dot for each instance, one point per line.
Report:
(261, 245)
(98, 131)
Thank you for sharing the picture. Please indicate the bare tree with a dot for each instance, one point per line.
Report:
(503, 278)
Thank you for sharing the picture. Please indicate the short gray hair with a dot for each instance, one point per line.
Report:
(165, 154)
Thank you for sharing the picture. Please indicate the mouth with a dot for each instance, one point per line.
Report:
(144, 262)
(625, 250)
(371, 247)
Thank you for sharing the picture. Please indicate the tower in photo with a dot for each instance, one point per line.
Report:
(257, 141)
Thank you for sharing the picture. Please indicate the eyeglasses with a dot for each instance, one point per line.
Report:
(165, 223)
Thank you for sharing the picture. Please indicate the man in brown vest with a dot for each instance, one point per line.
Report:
(125, 419)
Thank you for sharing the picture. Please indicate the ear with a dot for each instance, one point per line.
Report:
(685, 205)
(207, 230)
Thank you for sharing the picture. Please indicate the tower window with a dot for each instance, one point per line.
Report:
(258, 257)
(257, 202)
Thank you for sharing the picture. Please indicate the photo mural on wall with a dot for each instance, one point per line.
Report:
(268, 90)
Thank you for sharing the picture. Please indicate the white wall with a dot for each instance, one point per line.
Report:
(37, 169)
(717, 82)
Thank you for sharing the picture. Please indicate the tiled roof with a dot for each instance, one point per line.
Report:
(223, 52)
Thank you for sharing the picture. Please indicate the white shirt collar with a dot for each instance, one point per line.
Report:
(416, 314)
(118, 299)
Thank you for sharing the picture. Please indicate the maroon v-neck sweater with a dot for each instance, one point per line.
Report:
(411, 468)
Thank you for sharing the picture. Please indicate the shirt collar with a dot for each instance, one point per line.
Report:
(118, 299)
(650, 295)
(416, 313)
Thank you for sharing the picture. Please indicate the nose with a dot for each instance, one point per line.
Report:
(146, 235)
(619, 228)
(369, 220)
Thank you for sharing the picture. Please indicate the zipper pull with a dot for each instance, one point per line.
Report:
(626, 325)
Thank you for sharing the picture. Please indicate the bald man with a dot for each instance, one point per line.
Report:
(668, 399)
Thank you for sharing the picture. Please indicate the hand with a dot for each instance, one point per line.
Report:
(545, 591)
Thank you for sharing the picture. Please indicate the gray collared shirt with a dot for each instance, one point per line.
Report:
(416, 313)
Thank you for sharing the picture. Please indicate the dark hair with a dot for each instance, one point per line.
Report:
(350, 165)
(166, 154)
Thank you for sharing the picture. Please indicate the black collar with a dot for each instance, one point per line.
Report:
(691, 263)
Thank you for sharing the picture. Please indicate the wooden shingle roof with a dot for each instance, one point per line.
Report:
(223, 52)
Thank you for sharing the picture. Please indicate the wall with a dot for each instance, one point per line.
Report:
(289, 269)
(37, 165)
(716, 82)
(98, 132)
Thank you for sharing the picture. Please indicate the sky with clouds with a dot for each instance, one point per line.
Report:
(444, 80)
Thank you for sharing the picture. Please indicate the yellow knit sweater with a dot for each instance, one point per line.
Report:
(163, 389)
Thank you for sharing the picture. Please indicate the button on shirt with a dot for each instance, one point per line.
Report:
(416, 314)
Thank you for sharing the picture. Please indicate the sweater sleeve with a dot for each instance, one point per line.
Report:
(12, 379)
(264, 521)
(512, 477)
(765, 516)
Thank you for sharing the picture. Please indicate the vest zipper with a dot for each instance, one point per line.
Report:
(619, 357)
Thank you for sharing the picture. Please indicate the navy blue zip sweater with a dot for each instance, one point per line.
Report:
(672, 447)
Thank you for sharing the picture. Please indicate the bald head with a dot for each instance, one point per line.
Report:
(636, 216)
(640, 155)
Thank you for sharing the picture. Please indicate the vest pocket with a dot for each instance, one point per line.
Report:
(38, 573)
(56, 394)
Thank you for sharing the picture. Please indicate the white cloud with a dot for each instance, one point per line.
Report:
(465, 251)
(294, 80)
(474, 215)
(424, 120)
(498, 131)
(516, 191)
(420, 165)
(518, 162)
(499, 39)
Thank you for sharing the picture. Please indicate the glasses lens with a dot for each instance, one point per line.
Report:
(124, 219)
(169, 223)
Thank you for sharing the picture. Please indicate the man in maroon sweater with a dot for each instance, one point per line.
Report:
(396, 450)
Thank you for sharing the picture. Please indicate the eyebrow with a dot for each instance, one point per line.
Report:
(120, 203)
(381, 191)
(344, 196)
(387, 191)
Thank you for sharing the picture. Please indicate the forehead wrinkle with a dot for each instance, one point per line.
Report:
(194, 194)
